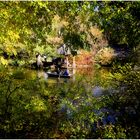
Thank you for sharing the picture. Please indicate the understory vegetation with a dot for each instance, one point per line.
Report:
(32, 108)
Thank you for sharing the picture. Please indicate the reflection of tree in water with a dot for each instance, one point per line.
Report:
(85, 71)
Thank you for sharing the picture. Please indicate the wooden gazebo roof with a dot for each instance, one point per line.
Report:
(64, 50)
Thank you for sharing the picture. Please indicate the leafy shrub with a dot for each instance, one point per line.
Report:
(3, 61)
(126, 100)
(105, 56)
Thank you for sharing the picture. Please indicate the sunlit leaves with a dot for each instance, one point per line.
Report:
(37, 104)
(29, 21)
(105, 56)
(3, 61)
(117, 18)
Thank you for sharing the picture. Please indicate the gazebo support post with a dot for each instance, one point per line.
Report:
(67, 62)
(74, 64)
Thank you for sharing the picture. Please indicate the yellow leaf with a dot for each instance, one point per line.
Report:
(3, 61)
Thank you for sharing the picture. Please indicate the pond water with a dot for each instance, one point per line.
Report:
(90, 75)
(33, 105)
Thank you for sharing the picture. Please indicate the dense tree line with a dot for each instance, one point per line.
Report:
(32, 26)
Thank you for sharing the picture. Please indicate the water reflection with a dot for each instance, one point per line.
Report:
(42, 74)
(97, 91)
(73, 73)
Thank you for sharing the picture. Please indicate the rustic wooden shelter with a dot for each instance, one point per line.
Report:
(66, 51)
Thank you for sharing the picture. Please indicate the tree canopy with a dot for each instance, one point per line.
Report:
(44, 25)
